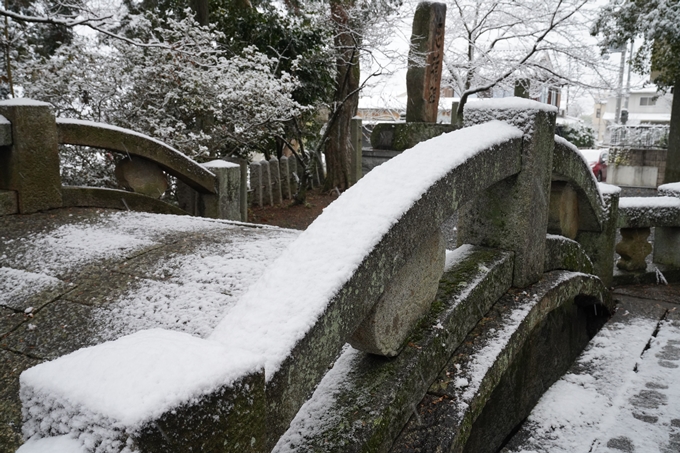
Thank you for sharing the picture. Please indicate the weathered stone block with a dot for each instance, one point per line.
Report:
(562, 253)
(599, 245)
(406, 299)
(401, 136)
(513, 214)
(30, 166)
(563, 214)
(667, 245)
(423, 77)
(5, 132)
(8, 202)
(226, 204)
(141, 175)
(633, 249)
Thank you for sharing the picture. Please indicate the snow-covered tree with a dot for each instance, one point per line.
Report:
(185, 91)
(495, 43)
(657, 22)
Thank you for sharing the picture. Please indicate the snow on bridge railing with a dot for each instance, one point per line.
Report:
(31, 178)
(324, 290)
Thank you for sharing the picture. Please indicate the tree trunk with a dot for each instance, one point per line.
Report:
(202, 10)
(672, 173)
(338, 144)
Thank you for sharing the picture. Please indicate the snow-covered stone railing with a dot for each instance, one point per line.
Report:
(364, 272)
(32, 168)
(637, 215)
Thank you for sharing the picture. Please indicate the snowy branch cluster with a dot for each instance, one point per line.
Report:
(188, 92)
(496, 43)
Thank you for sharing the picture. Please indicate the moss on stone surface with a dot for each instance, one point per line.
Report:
(380, 393)
(449, 421)
(402, 136)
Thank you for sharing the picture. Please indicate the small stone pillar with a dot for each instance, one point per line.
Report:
(226, 204)
(267, 198)
(256, 184)
(30, 166)
(355, 171)
(275, 172)
(513, 214)
(285, 178)
(423, 78)
(633, 249)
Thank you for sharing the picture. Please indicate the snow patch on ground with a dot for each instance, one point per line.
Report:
(615, 388)
(16, 286)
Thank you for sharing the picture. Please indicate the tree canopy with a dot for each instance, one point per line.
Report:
(657, 22)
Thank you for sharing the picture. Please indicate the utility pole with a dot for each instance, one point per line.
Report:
(619, 92)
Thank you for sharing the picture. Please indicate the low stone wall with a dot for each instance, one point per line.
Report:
(275, 180)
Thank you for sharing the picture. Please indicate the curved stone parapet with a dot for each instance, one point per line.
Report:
(128, 142)
(97, 197)
(569, 166)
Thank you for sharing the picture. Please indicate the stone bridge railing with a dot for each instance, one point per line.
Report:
(29, 167)
(365, 272)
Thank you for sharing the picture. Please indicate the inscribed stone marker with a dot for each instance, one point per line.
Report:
(423, 81)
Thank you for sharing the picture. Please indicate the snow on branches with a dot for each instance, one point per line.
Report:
(188, 92)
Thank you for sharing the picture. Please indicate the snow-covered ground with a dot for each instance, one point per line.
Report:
(622, 394)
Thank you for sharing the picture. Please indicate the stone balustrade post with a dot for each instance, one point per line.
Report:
(30, 165)
(293, 175)
(513, 214)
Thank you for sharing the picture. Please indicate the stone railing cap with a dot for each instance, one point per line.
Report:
(24, 102)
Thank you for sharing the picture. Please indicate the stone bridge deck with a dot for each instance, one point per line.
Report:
(71, 278)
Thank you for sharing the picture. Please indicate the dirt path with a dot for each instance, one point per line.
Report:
(297, 217)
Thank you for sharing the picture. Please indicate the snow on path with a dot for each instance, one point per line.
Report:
(618, 400)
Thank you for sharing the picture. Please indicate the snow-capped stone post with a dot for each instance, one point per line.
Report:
(667, 239)
(226, 203)
(513, 214)
(30, 166)
(423, 81)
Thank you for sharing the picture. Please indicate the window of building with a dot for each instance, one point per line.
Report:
(648, 101)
